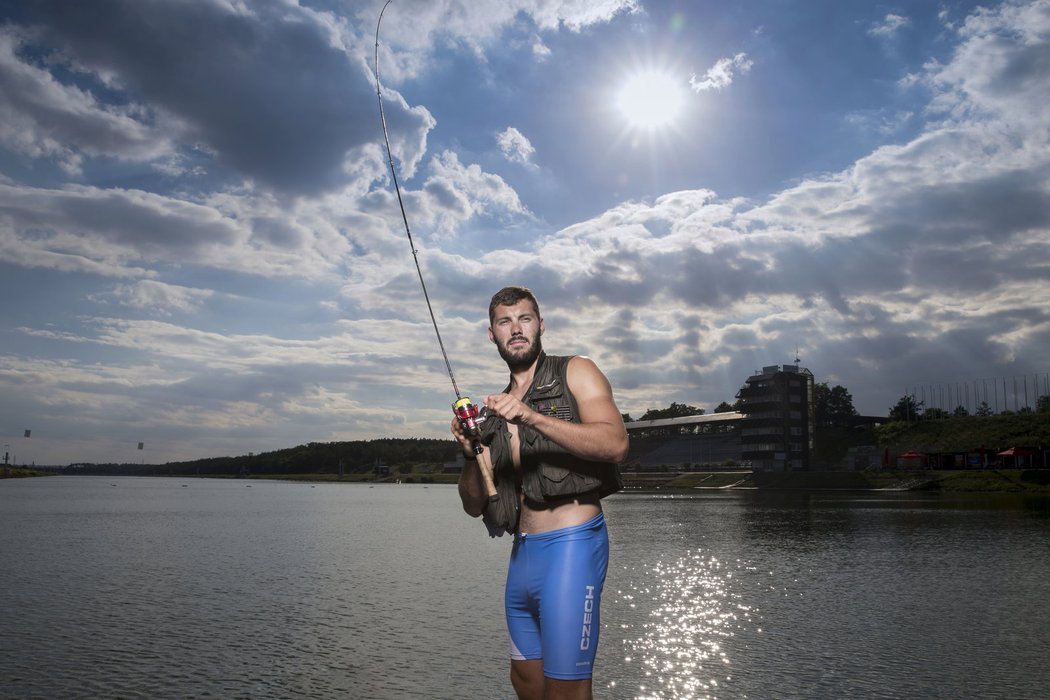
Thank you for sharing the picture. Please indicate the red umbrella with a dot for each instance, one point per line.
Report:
(912, 455)
(1016, 452)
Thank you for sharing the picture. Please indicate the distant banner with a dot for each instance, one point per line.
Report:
(140, 445)
(28, 432)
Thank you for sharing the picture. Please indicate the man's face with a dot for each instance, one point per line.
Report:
(516, 331)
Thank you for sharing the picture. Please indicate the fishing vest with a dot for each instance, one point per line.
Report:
(549, 473)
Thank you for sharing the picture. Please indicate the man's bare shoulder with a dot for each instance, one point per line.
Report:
(584, 376)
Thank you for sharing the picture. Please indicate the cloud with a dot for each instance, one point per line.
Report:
(720, 75)
(88, 229)
(539, 49)
(882, 121)
(43, 118)
(455, 193)
(577, 14)
(889, 25)
(127, 233)
(515, 146)
(1001, 68)
(415, 28)
(158, 297)
(230, 76)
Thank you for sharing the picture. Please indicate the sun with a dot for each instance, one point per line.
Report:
(651, 99)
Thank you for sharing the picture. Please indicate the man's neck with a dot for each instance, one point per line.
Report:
(521, 378)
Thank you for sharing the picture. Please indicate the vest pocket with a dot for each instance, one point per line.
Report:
(559, 481)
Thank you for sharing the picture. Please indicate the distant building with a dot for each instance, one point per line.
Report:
(776, 431)
(708, 441)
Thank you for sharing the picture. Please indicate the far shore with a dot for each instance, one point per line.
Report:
(1029, 481)
(1036, 481)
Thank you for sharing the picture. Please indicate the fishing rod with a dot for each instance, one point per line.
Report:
(465, 409)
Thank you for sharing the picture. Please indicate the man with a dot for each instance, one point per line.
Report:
(551, 444)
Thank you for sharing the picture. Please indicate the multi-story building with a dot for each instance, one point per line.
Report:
(776, 431)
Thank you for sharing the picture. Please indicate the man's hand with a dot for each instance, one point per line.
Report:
(476, 481)
(463, 437)
(510, 409)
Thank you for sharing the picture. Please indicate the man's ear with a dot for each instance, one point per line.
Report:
(492, 338)
(541, 326)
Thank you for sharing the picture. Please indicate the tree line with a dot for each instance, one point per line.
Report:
(833, 406)
(356, 457)
(909, 408)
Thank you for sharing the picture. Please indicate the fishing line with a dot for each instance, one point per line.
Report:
(404, 216)
(466, 411)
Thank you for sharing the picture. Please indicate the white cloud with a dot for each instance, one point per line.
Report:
(515, 146)
(889, 25)
(999, 68)
(577, 14)
(455, 193)
(721, 74)
(415, 28)
(539, 49)
(158, 297)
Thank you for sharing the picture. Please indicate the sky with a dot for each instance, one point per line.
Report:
(201, 247)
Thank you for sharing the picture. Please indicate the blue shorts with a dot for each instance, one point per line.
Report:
(553, 595)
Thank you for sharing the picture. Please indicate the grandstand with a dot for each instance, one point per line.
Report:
(685, 443)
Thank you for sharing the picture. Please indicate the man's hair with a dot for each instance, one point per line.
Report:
(509, 296)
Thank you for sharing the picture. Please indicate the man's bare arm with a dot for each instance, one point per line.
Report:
(475, 481)
(600, 435)
(470, 489)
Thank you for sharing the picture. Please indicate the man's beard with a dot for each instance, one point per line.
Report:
(523, 360)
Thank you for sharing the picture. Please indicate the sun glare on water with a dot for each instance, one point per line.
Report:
(651, 99)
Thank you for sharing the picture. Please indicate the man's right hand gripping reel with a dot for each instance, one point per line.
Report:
(467, 413)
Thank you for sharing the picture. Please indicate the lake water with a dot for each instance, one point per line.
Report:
(178, 588)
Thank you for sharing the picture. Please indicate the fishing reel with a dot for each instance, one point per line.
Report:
(467, 413)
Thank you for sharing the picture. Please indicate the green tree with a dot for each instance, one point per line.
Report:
(906, 409)
(832, 406)
(675, 410)
(933, 413)
(983, 410)
(1042, 404)
(627, 418)
(960, 411)
(724, 408)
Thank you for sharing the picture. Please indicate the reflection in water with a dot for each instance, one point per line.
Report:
(692, 610)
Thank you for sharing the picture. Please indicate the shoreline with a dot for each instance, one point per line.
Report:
(1033, 481)
(1016, 481)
